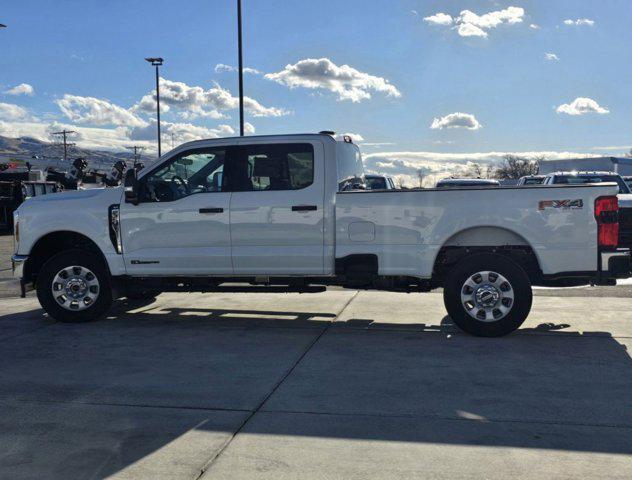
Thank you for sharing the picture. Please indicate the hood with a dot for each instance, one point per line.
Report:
(76, 195)
(73, 199)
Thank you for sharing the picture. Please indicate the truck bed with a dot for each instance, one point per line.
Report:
(406, 229)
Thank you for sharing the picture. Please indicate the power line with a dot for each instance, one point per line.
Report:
(65, 134)
(137, 149)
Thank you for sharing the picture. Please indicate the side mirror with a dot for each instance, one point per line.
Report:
(131, 187)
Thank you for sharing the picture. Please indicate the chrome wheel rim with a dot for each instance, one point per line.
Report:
(487, 296)
(75, 288)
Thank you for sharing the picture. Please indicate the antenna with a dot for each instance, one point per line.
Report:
(65, 133)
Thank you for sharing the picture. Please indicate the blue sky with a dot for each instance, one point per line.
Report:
(385, 70)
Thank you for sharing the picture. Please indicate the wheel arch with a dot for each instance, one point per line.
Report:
(486, 239)
(52, 243)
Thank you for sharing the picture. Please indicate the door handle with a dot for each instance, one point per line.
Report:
(304, 208)
(211, 210)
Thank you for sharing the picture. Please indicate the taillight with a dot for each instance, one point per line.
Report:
(607, 216)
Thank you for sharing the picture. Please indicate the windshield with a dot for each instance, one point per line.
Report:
(533, 181)
(581, 179)
(376, 183)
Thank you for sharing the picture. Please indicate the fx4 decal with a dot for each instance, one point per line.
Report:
(561, 204)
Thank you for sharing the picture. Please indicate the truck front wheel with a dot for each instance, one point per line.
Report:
(74, 286)
(487, 295)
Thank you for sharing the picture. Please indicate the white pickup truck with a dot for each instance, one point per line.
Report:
(276, 212)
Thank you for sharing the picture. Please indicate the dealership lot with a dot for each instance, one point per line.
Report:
(341, 384)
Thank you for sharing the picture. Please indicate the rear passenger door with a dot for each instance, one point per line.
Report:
(276, 208)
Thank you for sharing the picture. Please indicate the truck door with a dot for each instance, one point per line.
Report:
(276, 209)
(181, 225)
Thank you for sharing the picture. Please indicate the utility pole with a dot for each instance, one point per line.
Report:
(420, 174)
(137, 151)
(157, 62)
(241, 72)
(65, 134)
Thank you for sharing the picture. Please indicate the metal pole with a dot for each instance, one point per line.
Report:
(158, 107)
(65, 146)
(241, 72)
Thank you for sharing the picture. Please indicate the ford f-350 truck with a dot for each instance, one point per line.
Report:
(277, 211)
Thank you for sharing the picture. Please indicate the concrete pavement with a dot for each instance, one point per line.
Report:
(340, 384)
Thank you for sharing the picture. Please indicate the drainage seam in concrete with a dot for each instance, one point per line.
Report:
(212, 460)
(32, 401)
(446, 417)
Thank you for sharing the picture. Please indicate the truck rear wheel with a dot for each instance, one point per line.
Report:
(487, 295)
(74, 286)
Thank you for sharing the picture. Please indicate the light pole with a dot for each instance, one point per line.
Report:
(241, 72)
(157, 62)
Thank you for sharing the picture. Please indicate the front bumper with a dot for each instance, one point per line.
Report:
(18, 262)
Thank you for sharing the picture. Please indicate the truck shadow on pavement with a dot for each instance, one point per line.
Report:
(123, 391)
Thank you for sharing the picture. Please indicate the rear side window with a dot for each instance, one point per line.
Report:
(349, 163)
(273, 167)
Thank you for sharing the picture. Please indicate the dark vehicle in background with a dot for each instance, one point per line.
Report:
(379, 182)
(531, 180)
(18, 185)
(578, 178)
(624, 197)
(467, 182)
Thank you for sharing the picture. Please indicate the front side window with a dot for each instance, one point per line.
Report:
(191, 172)
(273, 167)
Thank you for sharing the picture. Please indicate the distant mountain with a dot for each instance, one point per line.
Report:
(51, 154)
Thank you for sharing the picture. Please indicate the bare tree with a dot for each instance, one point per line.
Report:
(514, 167)
(474, 170)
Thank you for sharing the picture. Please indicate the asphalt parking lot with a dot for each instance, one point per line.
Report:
(333, 385)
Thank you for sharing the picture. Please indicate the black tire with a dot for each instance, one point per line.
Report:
(515, 275)
(65, 259)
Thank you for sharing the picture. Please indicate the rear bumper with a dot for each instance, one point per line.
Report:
(616, 264)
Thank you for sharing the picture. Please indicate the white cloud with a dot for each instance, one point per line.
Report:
(96, 111)
(613, 147)
(223, 68)
(345, 81)
(195, 101)
(434, 166)
(439, 19)
(21, 89)
(551, 56)
(534, 26)
(355, 137)
(582, 106)
(580, 22)
(11, 112)
(470, 24)
(469, 30)
(179, 132)
(249, 128)
(106, 139)
(456, 120)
